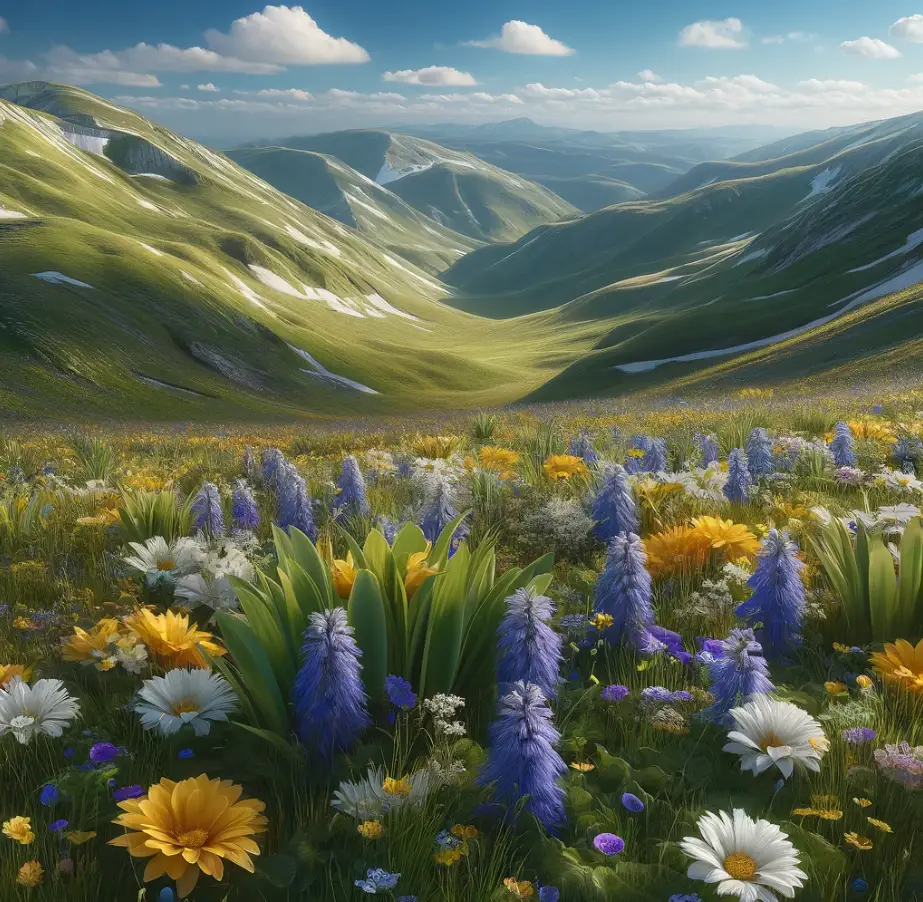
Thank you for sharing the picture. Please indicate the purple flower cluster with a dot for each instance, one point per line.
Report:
(440, 509)
(655, 459)
(843, 446)
(737, 669)
(778, 601)
(523, 758)
(582, 446)
(330, 701)
(206, 507)
(400, 692)
(708, 448)
(634, 463)
(245, 514)
(737, 487)
(759, 453)
(615, 693)
(352, 498)
(902, 763)
(608, 843)
(858, 735)
(659, 695)
(529, 650)
(614, 506)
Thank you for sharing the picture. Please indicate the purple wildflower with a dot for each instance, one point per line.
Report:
(294, 502)
(778, 601)
(330, 701)
(103, 753)
(523, 759)
(549, 894)
(614, 505)
(439, 511)
(843, 446)
(708, 448)
(655, 460)
(737, 487)
(631, 802)
(858, 735)
(49, 795)
(759, 453)
(128, 792)
(271, 470)
(244, 510)
(185, 754)
(615, 693)
(209, 516)
(608, 843)
(633, 462)
(529, 650)
(378, 880)
(738, 671)
(58, 825)
(623, 591)
(352, 496)
(400, 692)
(582, 446)
(902, 763)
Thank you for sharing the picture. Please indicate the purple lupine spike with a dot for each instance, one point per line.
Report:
(614, 505)
(655, 460)
(330, 702)
(633, 461)
(209, 515)
(271, 469)
(737, 487)
(737, 669)
(529, 649)
(523, 758)
(843, 446)
(439, 510)
(708, 448)
(244, 510)
(778, 600)
(294, 502)
(352, 498)
(759, 453)
(582, 446)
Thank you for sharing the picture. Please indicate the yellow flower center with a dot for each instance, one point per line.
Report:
(166, 564)
(186, 706)
(192, 839)
(770, 741)
(740, 866)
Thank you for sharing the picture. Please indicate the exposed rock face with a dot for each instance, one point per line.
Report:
(231, 369)
(137, 155)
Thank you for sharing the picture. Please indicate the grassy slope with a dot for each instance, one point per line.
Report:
(460, 192)
(333, 188)
(73, 351)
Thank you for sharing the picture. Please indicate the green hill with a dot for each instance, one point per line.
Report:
(335, 189)
(454, 189)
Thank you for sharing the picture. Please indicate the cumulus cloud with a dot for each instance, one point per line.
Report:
(432, 75)
(284, 35)
(649, 75)
(909, 27)
(796, 37)
(475, 97)
(726, 34)
(818, 85)
(4, 26)
(208, 87)
(870, 48)
(521, 37)
(287, 93)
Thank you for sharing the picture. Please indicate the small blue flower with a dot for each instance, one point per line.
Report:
(166, 895)
(58, 825)
(69, 752)
(859, 885)
(378, 880)
(103, 753)
(49, 795)
(548, 894)
(400, 692)
(128, 792)
(685, 897)
(183, 754)
(631, 802)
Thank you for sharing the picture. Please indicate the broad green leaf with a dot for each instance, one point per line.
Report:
(278, 742)
(911, 576)
(410, 540)
(376, 551)
(440, 553)
(366, 613)
(445, 630)
(882, 589)
(308, 558)
(355, 550)
(268, 632)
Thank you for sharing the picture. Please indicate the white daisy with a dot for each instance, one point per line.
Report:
(769, 732)
(196, 697)
(902, 482)
(132, 657)
(366, 799)
(26, 710)
(217, 594)
(747, 858)
(158, 556)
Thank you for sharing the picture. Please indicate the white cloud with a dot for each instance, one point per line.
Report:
(432, 75)
(817, 85)
(649, 75)
(159, 58)
(209, 88)
(910, 28)
(4, 26)
(283, 35)
(289, 93)
(475, 97)
(725, 34)
(870, 48)
(520, 37)
(796, 37)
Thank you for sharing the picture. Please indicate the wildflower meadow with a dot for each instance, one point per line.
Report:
(575, 653)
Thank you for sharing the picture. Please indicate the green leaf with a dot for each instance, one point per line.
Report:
(440, 553)
(366, 613)
(882, 589)
(308, 558)
(287, 749)
(410, 540)
(355, 550)
(911, 578)
(268, 631)
(445, 629)
(280, 870)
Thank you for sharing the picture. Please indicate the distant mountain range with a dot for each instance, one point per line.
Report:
(145, 275)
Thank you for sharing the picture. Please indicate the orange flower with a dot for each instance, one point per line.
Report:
(171, 641)
(564, 466)
(681, 549)
(901, 664)
(344, 575)
(418, 571)
(520, 889)
(730, 539)
(8, 671)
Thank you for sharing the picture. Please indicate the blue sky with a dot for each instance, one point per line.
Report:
(238, 69)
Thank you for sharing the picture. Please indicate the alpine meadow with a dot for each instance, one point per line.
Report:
(468, 453)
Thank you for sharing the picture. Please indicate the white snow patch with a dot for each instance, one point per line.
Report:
(914, 240)
(56, 278)
(190, 278)
(153, 250)
(271, 280)
(766, 297)
(897, 283)
(245, 289)
(822, 183)
(150, 175)
(376, 300)
(159, 384)
(89, 143)
(359, 202)
(753, 255)
(12, 214)
(333, 301)
(148, 205)
(322, 245)
(320, 372)
(386, 174)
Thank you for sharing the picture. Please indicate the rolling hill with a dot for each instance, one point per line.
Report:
(341, 192)
(454, 189)
(145, 275)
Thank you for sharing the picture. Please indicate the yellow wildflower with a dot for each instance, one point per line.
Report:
(371, 829)
(498, 460)
(520, 889)
(681, 549)
(344, 575)
(880, 825)
(447, 857)
(836, 688)
(171, 640)
(602, 621)
(583, 767)
(396, 787)
(901, 664)
(19, 829)
(864, 682)
(464, 831)
(92, 646)
(30, 874)
(841, 648)
(730, 539)
(860, 842)
(564, 466)
(418, 571)
(863, 803)
(8, 671)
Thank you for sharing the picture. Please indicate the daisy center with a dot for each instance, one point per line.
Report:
(770, 740)
(166, 563)
(740, 866)
(192, 839)
(186, 706)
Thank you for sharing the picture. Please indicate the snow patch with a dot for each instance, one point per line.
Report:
(150, 175)
(822, 183)
(386, 174)
(153, 250)
(159, 384)
(320, 372)
(914, 240)
(56, 278)
(271, 280)
(12, 214)
(148, 205)
(377, 301)
(245, 289)
(190, 278)
(322, 245)
(753, 255)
